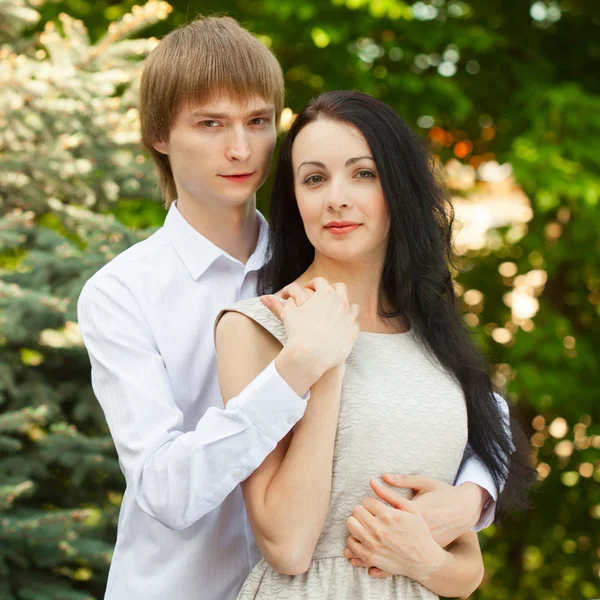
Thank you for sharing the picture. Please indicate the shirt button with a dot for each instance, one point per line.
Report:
(290, 421)
(238, 475)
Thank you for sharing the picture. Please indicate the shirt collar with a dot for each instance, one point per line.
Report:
(198, 253)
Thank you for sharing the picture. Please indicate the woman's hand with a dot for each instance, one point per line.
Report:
(450, 511)
(395, 539)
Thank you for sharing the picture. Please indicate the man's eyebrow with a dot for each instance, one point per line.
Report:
(217, 115)
(262, 110)
(349, 162)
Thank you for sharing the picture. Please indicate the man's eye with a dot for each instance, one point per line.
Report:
(258, 121)
(209, 124)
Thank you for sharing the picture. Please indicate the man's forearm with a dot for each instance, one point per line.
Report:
(479, 498)
(473, 470)
(185, 478)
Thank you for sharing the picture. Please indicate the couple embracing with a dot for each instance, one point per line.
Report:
(298, 409)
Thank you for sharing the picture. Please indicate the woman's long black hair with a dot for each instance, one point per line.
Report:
(416, 278)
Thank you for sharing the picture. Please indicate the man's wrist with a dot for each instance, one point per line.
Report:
(475, 497)
(295, 366)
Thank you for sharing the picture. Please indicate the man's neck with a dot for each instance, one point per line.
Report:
(233, 229)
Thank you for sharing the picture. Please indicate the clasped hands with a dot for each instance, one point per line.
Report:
(393, 535)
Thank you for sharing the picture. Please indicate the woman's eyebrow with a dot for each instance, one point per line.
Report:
(349, 162)
(316, 163)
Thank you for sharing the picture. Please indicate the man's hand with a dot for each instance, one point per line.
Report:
(449, 511)
(393, 536)
(321, 327)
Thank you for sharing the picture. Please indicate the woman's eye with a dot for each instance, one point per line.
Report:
(313, 179)
(365, 174)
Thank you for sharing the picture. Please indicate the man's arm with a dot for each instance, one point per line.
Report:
(474, 471)
(176, 476)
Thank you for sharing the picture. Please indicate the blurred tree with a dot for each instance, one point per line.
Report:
(512, 81)
(68, 141)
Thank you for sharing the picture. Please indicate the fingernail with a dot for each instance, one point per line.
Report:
(266, 301)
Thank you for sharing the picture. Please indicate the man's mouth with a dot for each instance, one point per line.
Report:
(238, 177)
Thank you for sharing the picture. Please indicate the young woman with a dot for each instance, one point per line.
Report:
(355, 201)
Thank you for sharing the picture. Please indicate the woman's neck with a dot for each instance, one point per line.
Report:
(363, 280)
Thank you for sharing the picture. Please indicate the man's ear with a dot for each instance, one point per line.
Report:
(162, 146)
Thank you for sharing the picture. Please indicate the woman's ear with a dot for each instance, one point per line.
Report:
(162, 147)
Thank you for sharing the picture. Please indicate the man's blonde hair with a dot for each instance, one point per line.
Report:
(193, 64)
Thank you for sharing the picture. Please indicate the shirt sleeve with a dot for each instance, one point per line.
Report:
(474, 470)
(177, 477)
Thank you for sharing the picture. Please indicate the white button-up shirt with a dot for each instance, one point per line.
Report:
(147, 321)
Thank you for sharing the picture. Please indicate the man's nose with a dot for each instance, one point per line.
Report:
(239, 145)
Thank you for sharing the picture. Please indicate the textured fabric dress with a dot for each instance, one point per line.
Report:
(400, 412)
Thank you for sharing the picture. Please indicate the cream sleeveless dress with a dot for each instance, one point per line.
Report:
(400, 413)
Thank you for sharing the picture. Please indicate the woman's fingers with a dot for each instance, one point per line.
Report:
(374, 506)
(378, 573)
(355, 547)
(274, 304)
(318, 283)
(356, 529)
(364, 516)
(356, 562)
(393, 498)
(342, 291)
(296, 292)
(354, 310)
(419, 483)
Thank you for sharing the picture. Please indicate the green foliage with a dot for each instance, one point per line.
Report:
(68, 140)
(512, 81)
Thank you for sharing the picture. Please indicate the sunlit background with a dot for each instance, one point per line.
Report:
(507, 96)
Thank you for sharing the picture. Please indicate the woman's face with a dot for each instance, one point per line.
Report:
(339, 193)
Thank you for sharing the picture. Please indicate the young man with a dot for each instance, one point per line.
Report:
(211, 96)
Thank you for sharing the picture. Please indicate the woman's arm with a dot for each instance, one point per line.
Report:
(288, 495)
(395, 538)
(459, 570)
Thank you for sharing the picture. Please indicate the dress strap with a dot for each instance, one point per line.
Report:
(258, 312)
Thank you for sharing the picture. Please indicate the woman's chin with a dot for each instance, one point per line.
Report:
(343, 253)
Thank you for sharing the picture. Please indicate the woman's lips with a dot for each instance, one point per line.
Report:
(238, 178)
(338, 230)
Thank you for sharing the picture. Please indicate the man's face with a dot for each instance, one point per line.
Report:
(220, 152)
